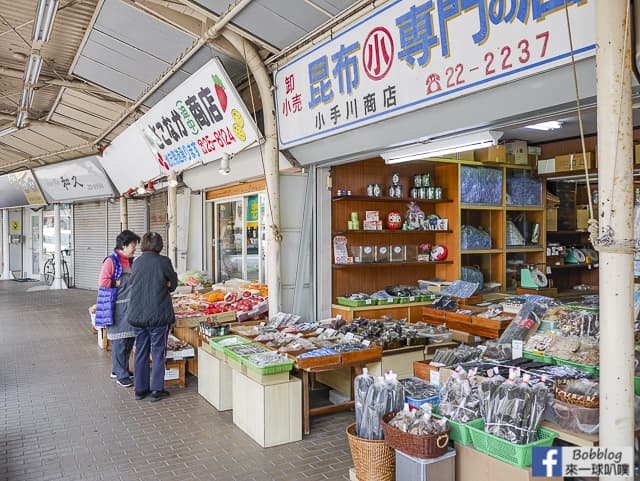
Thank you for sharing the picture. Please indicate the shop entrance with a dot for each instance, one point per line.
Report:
(15, 243)
(239, 240)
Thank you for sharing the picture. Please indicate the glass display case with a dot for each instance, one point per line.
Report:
(240, 241)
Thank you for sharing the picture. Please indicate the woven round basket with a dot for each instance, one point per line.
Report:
(426, 446)
(575, 399)
(373, 460)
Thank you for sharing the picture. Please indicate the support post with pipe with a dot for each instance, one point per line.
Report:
(124, 213)
(271, 163)
(58, 283)
(172, 210)
(615, 193)
(6, 274)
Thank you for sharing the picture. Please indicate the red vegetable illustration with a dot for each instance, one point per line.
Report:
(220, 93)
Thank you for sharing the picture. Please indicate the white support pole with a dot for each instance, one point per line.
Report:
(172, 214)
(615, 191)
(6, 274)
(271, 163)
(58, 283)
(124, 213)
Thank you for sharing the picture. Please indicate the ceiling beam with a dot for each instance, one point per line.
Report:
(188, 24)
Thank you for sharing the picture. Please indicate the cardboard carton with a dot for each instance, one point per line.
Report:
(517, 152)
(552, 220)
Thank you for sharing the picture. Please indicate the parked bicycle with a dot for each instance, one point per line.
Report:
(49, 269)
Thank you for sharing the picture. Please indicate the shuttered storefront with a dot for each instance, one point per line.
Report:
(158, 217)
(91, 242)
(96, 226)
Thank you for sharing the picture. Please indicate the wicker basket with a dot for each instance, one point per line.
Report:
(592, 402)
(428, 446)
(373, 460)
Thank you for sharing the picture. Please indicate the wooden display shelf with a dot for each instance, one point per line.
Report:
(573, 266)
(367, 198)
(389, 231)
(481, 251)
(411, 311)
(524, 249)
(567, 232)
(480, 207)
(524, 208)
(387, 264)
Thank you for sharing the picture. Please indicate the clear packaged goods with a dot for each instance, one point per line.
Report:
(264, 359)
(383, 396)
(459, 397)
(361, 385)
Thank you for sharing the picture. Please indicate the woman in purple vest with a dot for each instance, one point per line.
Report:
(151, 313)
(115, 273)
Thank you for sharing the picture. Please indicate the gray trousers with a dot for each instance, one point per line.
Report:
(120, 353)
(150, 341)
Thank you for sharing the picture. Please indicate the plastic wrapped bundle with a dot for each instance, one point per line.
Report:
(474, 238)
(424, 424)
(527, 321)
(385, 395)
(523, 189)
(403, 419)
(459, 398)
(361, 385)
(480, 185)
(539, 401)
(487, 392)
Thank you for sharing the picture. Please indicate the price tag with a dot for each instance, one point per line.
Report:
(412, 298)
(367, 302)
(516, 349)
(434, 377)
(366, 342)
(348, 336)
(389, 300)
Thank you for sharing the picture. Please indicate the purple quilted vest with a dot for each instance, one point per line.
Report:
(107, 295)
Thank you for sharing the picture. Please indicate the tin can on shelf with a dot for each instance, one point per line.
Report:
(426, 180)
(349, 192)
(417, 180)
(437, 193)
(414, 192)
(422, 193)
(392, 191)
(431, 192)
(377, 190)
(370, 190)
(399, 191)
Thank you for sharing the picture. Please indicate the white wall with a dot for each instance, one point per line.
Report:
(323, 247)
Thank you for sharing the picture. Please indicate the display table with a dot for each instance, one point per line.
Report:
(471, 324)
(309, 366)
(214, 381)
(411, 311)
(271, 415)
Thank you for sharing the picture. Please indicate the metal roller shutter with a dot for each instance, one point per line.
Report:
(137, 209)
(91, 243)
(158, 217)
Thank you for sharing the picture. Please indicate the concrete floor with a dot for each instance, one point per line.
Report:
(63, 418)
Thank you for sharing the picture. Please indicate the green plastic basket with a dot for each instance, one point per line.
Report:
(518, 455)
(458, 432)
(214, 342)
(343, 301)
(593, 371)
(637, 385)
(265, 370)
(240, 357)
(537, 357)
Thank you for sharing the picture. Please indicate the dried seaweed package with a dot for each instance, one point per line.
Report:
(452, 393)
(374, 408)
(539, 401)
(525, 322)
(487, 390)
(514, 409)
(503, 396)
(396, 393)
(361, 385)
(403, 419)
(469, 408)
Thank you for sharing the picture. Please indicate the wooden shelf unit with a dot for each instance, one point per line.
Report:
(446, 174)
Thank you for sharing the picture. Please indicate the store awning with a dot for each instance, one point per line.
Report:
(19, 189)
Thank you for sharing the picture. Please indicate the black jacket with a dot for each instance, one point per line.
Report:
(149, 295)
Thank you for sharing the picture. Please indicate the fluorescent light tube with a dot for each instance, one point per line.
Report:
(7, 131)
(43, 23)
(32, 72)
(438, 148)
(551, 125)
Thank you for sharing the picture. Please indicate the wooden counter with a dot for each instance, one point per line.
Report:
(411, 311)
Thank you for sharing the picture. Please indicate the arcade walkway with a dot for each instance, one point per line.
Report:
(63, 418)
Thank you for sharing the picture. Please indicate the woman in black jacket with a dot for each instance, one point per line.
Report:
(151, 313)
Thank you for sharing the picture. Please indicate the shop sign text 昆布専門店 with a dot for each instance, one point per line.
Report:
(408, 55)
(199, 121)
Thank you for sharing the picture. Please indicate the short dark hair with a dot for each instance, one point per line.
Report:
(125, 238)
(152, 241)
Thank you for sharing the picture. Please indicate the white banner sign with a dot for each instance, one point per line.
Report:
(198, 121)
(408, 55)
(74, 180)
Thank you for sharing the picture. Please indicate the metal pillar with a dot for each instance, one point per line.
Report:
(6, 274)
(271, 163)
(124, 213)
(615, 194)
(172, 214)
(58, 283)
